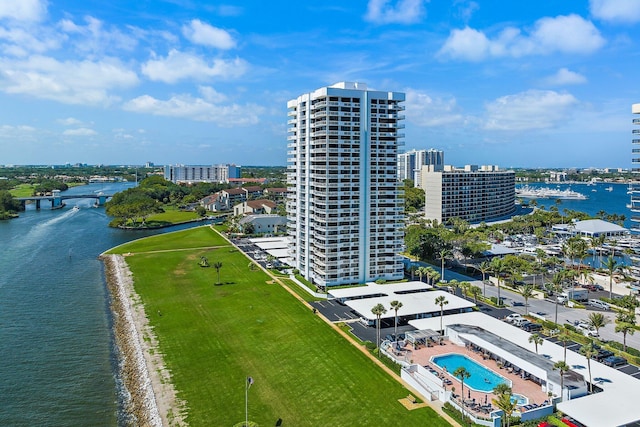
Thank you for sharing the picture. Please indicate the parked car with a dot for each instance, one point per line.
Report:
(532, 327)
(599, 304)
(586, 330)
(615, 361)
(513, 317)
(603, 353)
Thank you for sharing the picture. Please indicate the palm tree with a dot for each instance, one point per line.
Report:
(611, 265)
(589, 351)
(378, 310)
(441, 301)
(396, 305)
(443, 255)
(598, 320)
(475, 291)
(556, 286)
(527, 292)
(504, 402)
(498, 267)
(565, 338)
(536, 340)
(462, 374)
(625, 328)
(562, 367)
(421, 271)
(217, 265)
(455, 285)
(484, 268)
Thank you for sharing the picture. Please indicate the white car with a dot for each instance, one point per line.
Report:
(587, 330)
(513, 317)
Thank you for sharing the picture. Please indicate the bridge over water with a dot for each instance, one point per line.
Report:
(57, 200)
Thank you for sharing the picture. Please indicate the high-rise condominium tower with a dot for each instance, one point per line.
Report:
(344, 211)
(634, 185)
(410, 164)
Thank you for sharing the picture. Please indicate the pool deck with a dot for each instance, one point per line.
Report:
(521, 386)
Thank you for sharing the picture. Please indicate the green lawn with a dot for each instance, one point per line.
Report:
(213, 337)
(22, 190)
(172, 214)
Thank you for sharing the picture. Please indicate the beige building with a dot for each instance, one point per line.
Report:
(472, 193)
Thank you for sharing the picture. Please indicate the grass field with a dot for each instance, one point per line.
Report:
(214, 336)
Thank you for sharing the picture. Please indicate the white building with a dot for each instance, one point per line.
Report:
(410, 164)
(634, 186)
(472, 193)
(200, 173)
(344, 210)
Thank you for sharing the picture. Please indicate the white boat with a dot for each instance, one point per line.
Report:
(75, 208)
(609, 188)
(548, 193)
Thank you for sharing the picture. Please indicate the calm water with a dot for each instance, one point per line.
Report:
(612, 202)
(480, 379)
(57, 364)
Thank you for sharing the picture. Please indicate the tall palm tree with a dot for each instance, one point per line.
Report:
(612, 266)
(378, 310)
(565, 338)
(217, 265)
(625, 328)
(527, 292)
(462, 374)
(475, 291)
(396, 305)
(484, 268)
(504, 402)
(443, 255)
(421, 272)
(441, 301)
(598, 320)
(556, 286)
(498, 267)
(589, 351)
(536, 340)
(562, 367)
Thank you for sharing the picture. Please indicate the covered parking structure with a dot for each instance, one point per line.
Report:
(415, 305)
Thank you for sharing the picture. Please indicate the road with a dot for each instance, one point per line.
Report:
(515, 303)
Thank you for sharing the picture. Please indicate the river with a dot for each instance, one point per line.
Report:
(57, 359)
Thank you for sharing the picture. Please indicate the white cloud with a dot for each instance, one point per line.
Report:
(204, 34)
(566, 34)
(188, 107)
(180, 66)
(616, 10)
(80, 132)
(427, 111)
(23, 10)
(69, 121)
(94, 37)
(71, 82)
(395, 11)
(565, 76)
(211, 95)
(533, 109)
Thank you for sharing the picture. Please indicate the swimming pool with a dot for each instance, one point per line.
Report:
(481, 379)
(519, 399)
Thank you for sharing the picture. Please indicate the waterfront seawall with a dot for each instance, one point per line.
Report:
(152, 399)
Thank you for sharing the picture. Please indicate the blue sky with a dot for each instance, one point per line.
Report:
(513, 83)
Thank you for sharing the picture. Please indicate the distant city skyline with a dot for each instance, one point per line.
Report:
(541, 84)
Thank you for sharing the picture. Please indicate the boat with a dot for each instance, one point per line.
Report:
(548, 193)
(75, 208)
(609, 188)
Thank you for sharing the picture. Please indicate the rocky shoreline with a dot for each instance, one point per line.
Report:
(153, 401)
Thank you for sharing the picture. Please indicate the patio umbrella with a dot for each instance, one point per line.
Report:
(469, 395)
(486, 398)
